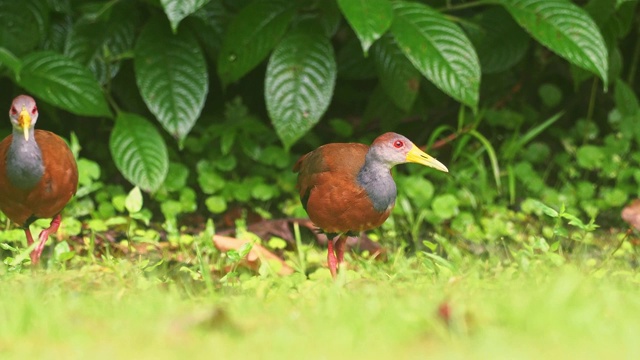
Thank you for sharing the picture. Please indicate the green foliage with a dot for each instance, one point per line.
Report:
(141, 155)
(399, 79)
(438, 49)
(172, 76)
(207, 104)
(251, 35)
(299, 84)
(78, 57)
(370, 19)
(62, 82)
(566, 29)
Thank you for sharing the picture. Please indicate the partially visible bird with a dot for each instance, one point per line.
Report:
(347, 188)
(38, 173)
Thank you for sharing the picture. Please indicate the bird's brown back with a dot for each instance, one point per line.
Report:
(58, 184)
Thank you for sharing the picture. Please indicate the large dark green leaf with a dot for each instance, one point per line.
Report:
(499, 41)
(251, 35)
(172, 76)
(399, 78)
(352, 64)
(370, 19)
(299, 84)
(139, 151)
(23, 24)
(208, 24)
(564, 28)
(626, 101)
(439, 50)
(59, 30)
(381, 109)
(64, 83)
(8, 59)
(177, 10)
(98, 45)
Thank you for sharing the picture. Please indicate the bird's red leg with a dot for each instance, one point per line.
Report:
(331, 258)
(341, 244)
(27, 232)
(44, 235)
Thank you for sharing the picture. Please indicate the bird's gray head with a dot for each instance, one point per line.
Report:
(23, 114)
(392, 149)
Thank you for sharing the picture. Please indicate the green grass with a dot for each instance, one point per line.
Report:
(118, 311)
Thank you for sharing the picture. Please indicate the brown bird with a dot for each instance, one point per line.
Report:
(38, 173)
(347, 188)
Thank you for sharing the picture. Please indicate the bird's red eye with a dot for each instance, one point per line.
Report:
(398, 144)
(13, 110)
(34, 110)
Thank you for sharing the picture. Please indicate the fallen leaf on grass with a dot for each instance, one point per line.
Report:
(256, 256)
(265, 229)
(631, 214)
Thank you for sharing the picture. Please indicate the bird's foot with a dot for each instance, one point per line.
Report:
(42, 239)
(341, 245)
(331, 259)
(27, 232)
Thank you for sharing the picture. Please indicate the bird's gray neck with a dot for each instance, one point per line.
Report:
(24, 161)
(376, 179)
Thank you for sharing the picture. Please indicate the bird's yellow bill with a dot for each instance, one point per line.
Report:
(24, 120)
(415, 155)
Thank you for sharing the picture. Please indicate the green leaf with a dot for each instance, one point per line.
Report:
(64, 83)
(590, 157)
(176, 176)
(208, 24)
(491, 153)
(600, 10)
(264, 192)
(445, 206)
(23, 24)
(133, 201)
(8, 59)
(370, 19)
(537, 207)
(564, 28)
(499, 41)
(176, 10)
(614, 197)
(208, 179)
(352, 64)
(216, 204)
(550, 94)
(62, 252)
(299, 83)
(326, 14)
(439, 50)
(626, 99)
(98, 45)
(381, 108)
(399, 78)
(59, 30)
(251, 35)
(139, 151)
(172, 76)
(88, 171)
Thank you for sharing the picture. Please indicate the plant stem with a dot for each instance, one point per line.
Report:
(592, 101)
(634, 61)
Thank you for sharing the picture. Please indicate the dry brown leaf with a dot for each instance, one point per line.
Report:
(631, 214)
(255, 257)
(281, 228)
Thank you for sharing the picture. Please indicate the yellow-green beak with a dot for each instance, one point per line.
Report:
(415, 155)
(24, 120)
